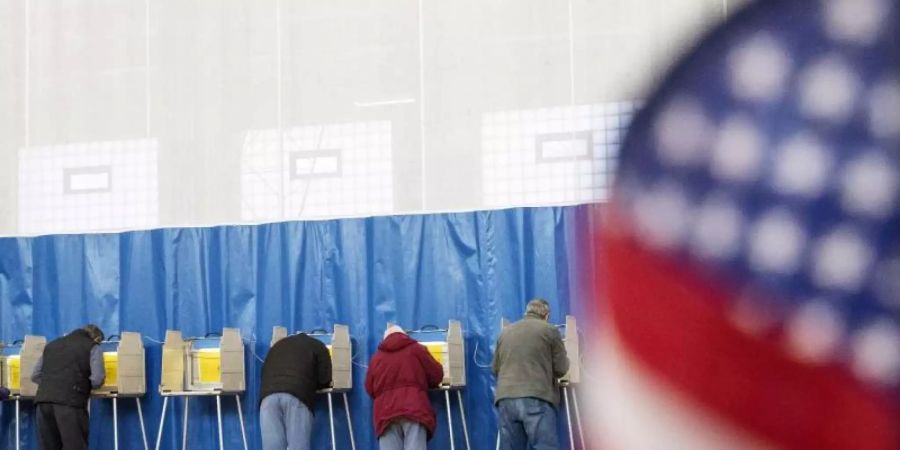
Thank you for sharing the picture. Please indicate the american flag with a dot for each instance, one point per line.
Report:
(752, 249)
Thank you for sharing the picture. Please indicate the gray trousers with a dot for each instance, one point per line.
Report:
(403, 435)
(285, 423)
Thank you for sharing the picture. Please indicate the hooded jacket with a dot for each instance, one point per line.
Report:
(400, 374)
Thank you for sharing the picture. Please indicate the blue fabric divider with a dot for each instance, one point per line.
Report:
(413, 270)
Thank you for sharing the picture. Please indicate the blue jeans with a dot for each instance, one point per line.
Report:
(285, 423)
(527, 422)
(403, 435)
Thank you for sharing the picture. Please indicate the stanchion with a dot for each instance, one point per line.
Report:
(578, 418)
(115, 403)
(331, 422)
(162, 422)
(568, 418)
(349, 421)
(449, 419)
(219, 421)
(237, 399)
(186, 397)
(462, 415)
(18, 441)
(184, 428)
(137, 402)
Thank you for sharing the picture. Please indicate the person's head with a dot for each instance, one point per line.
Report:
(391, 330)
(94, 332)
(539, 308)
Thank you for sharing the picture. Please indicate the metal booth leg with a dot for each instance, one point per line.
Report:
(141, 419)
(18, 443)
(568, 418)
(219, 419)
(115, 423)
(498, 438)
(462, 414)
(185, 424)
(449, 419)
(237, 399)
(331, 422)
(349, 422)
(578, 418)
(162, 422)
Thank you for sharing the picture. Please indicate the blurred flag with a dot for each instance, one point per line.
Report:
(752, 250)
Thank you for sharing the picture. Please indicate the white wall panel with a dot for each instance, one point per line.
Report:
(427, 104)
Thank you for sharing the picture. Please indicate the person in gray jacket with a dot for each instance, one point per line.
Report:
(529, 358)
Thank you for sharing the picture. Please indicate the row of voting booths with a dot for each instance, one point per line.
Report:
(213, 366)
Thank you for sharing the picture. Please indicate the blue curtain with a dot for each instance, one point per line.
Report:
(413, 270)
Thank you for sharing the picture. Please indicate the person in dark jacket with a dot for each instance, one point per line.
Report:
(399, 376)
(65, 374)
(295, 368)
(529, 358)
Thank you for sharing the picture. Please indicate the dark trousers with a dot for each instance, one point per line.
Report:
(62, 427)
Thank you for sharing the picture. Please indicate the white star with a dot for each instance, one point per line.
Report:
(738, 151)
(869, 185)
(801, 166)
(662, 215)
(876, 352)
(814, 332)
(776, 242)
(828, 90)
(682, 133)
(841, 260)
(855, 21)
(884, 109)
(758, 69)
(717, 230)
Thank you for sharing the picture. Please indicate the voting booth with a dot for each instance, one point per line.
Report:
(569, 332)
(570, 337)
(17, 361)
(209, 366)
(124, 364)
(447, 346)
(340, 349)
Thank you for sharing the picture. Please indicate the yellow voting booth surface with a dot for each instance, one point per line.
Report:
(438, 351)
(14, 364)
(111, 366)
(209, 365)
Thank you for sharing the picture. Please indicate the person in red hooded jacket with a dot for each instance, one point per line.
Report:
(400, 374)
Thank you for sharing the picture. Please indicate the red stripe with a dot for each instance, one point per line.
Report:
(675, 324)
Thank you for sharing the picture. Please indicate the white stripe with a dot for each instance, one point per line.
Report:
(636, 410)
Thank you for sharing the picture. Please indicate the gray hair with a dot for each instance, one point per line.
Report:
(94, 332)
(538, 307)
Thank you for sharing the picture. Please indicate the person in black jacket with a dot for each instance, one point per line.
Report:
(65, 374)
(295, 368)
